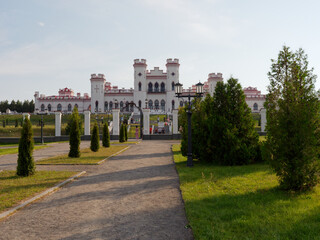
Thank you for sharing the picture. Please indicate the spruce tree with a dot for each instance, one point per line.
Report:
(105, 136)
(121, 136)
(293, 121)
(26, 164)
(125, 132)
(95, 141)
(74, 140)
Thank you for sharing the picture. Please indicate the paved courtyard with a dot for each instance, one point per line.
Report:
(134, 195)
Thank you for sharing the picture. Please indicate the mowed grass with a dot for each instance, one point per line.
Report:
(244, 202)
(14, 150)
(87, 156)
(14, 189)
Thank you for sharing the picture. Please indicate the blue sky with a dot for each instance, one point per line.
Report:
(46, 45)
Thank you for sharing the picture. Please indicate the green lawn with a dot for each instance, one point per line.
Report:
(15, 150)
(244, 202)
(87, 156)
(14, 189)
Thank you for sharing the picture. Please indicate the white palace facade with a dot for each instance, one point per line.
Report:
(154, 87)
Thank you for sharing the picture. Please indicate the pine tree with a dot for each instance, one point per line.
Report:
(121, 136)
(95, 141)
(293, 121)
(26, 164)
(125, 132)
(105, 136)
(74, 140)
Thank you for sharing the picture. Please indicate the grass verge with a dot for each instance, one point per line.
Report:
(14, 189)
(87, 157)
(244, 202)
(15, 150)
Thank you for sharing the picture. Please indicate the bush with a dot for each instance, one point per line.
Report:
(105, 136)
(4, 123)
(121, 136)
(16, 123)
(95, 141)
(26, 164)
(74, 140)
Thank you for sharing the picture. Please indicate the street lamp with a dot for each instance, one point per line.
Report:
(197, 94)
(41, 123)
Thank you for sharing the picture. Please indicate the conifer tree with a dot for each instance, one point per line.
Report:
(95, 140)
(105, 136)
(26, 164)
(74, 140)
(121, 136)
(125, 132)
(293, 121)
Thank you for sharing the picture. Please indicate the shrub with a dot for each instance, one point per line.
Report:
(74, 140)
(121, 136)
(95, 141)
(105, 136)
(4, 123)
(16, 123)
(26, 164)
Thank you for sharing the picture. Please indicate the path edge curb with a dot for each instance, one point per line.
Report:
(103, 160)
(41, 195)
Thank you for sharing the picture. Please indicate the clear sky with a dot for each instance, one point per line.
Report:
(50, 44)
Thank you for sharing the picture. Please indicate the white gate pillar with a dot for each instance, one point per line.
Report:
(24, 115)
(263, 114)
(87, 122)
(115, 121)
(57, 124)
(175, 121)
(146, 121)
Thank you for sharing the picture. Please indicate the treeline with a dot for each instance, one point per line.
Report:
(18, 106)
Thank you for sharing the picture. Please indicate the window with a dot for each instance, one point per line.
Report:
(97, 106)
(181, 104)
(172, 104)
(172, 86)
(150, 104)
(49, 107)
(110, 105)
(156, 87)
(255, 106)
(121, 106)
(69, 107)
(139, 103)
(150, 87)
(140, 86)
(59, 107)
(42, 107)
(163, 105)
(105, 106)
(131, 107)
(127, 106)
(163, 87)
(156, 104)
(116, 104)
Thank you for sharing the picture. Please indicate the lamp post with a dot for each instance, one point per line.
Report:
(197, 94)
(41, 124)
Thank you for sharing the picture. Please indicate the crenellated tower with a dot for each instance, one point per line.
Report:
(140, 81)
(97, 92)
(213, 79)
(172, 78)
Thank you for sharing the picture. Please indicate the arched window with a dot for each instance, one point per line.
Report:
(173, 107)
(131, 107)
(156, 104)
(140, 85)
(97, 106)
(76, 106)
(49, 107)
(156, 87)
(110, 105)
(42, 107)
(127, 106)
(163, 87)
(116, 104)
(181, 103)
(59, 107)
(163, 105)
(150, 87)
(172, 86)
(105, 106)
(69, 107)
(255, 106)
(150, 104)
(121, 106)
(139, 103)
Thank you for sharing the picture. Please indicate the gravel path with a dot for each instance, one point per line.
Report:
(134, 195)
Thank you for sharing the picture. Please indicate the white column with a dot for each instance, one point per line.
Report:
(115, 121)
(175, 121)
(146, 121)
(87, 122)
(58, 124)
(24, 115)
(263, 114)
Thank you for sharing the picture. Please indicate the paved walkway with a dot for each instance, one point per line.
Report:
(134, 195)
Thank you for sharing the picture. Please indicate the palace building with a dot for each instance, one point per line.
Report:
(154, 88)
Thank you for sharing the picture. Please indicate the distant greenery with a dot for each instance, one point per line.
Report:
(18, 106)
(244, 202)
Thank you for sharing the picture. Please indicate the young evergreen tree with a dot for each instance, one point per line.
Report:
(125, 132)
(293, 121)
(105, 136)
(95, 140)
(121, 135)
(74, 140)
(26, 164)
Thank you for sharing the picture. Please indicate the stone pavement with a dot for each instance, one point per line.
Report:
(134, 195)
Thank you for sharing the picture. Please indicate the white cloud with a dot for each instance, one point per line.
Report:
(41, 24)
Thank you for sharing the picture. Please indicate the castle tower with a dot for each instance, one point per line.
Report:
(213, 78)
(172, 78)
(140, 82)
(97, 92)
